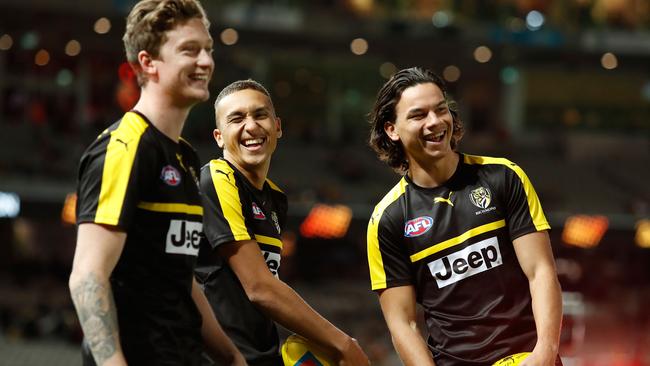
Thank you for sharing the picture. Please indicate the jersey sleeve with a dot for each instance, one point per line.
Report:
(388, 260)
(223, 218)
(524, 211)
(112, 172)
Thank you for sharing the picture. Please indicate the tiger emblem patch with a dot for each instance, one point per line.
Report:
(480, 197)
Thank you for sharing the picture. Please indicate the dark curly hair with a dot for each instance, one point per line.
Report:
(383, 111)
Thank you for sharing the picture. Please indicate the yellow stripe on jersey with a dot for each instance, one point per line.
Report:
(375, 261)
(118, 163)
(435, 248)
(268, 240)
(228, 194)
(171, 208)
(273, 186)
(535, 208)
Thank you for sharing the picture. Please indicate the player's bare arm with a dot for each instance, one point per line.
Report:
(399, 308)
(97, 252)
(285, 306)
(218, 344)
(536, 260)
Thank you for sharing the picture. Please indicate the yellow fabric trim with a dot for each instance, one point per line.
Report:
(268, 240)
(273, 186)
(119, 159)
(534, 206)
(228, 194)
(375, 261)
(458, 240)
(172, 207)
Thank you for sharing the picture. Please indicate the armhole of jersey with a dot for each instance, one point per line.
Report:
(120, 157)
(534, 206)
(225, 187)
(375, 260)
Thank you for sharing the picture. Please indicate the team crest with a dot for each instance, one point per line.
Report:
(480, 197)
(274, 217)
(257, 212)
(170, 175)
(195, 178)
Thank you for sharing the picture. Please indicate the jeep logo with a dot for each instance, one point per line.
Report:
(272, 261)
(183, 237)
(472, 260)
(417, 226)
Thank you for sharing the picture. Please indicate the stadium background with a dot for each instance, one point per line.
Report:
(561, 87)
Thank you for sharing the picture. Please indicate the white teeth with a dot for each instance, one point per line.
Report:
(200, 77)
(253, 142)
(436, 137)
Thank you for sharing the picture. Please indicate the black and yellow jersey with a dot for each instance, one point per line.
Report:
(134, 178)
(453, 244)
(235, 210)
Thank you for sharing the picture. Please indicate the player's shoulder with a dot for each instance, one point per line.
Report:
(390, 202)
(218, 172)
(480, 160)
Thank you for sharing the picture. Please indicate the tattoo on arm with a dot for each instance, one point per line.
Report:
(95, 306)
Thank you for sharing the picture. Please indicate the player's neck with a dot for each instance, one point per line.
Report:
(256, 175)
(433, 174)
(163, 114)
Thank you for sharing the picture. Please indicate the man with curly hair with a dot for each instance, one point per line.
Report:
(464, 236)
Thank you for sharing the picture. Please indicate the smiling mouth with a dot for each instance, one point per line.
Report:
(198, 77)
(251, 143)
(436, 137)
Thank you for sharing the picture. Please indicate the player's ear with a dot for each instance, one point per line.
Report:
(389, 128)
(278, 126)
(218, 137)
(146, 64)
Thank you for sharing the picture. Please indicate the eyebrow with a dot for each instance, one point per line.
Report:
(419, 109)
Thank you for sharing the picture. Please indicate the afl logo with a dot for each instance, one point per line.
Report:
(480, 197)
(258, 213)
(170, 176)
(417, 226)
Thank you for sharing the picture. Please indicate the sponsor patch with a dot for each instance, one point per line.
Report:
(417, 226)
(170, 175)
(183, 237)
(469, 261)
(257, 212)
(272, 261)
(480, 197)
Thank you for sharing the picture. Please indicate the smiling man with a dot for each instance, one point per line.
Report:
(244, 217)
(464, 236)
(139, 209)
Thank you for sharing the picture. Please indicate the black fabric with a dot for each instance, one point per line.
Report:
(160, 211)
(453, 243)
(234, 211)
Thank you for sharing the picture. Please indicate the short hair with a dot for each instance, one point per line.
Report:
(388, 97)
(148, 21)
(240, 85)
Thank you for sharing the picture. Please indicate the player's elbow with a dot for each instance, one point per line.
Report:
(261, 292)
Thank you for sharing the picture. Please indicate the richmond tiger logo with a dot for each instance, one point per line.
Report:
(480, 197)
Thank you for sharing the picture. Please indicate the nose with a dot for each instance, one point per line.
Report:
(432, 118)
(205, 59)
(250, 124)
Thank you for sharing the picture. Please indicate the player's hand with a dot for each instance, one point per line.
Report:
(539, 358)
(353, 355)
